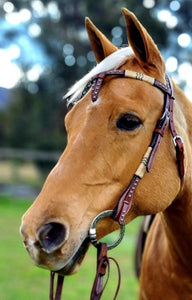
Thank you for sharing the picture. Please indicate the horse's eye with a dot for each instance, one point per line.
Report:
(128, 122)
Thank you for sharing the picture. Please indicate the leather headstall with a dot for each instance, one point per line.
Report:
(125, 201)
(124, 204)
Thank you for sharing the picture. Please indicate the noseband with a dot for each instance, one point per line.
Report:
(124, 204)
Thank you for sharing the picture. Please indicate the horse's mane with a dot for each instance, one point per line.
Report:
(113, 61)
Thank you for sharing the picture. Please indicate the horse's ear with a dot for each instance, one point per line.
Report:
(100, 45)
(142, 44)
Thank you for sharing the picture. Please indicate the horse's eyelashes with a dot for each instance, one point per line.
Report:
(128, 122)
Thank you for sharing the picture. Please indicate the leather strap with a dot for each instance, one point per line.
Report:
(158, 133)
(102, 266)
(178, 141)
(102, 263)
(59, 286)
(125, 201)
(98, 80)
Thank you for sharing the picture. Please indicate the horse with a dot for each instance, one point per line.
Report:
(127, 121)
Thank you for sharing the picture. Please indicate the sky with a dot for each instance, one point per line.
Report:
(23, 46)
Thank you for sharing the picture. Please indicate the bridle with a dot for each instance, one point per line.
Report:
(124, 204)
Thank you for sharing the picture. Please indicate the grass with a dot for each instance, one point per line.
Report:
(19, 279)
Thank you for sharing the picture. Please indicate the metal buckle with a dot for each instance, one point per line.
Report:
(93, 234)
(165, 114)
(177, 137)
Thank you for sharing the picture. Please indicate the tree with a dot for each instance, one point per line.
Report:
(54, 52)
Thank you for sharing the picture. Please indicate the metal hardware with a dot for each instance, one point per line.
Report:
(93, 233)
(177, 137)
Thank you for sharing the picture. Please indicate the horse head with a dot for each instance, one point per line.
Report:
(107, 139)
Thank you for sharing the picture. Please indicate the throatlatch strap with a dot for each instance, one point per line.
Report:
(178, 142)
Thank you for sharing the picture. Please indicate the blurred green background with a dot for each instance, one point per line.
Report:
(44, 49)
(20, 279)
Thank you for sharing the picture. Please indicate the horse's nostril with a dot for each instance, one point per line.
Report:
(51, 236)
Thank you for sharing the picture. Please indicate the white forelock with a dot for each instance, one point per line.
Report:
(113, 61)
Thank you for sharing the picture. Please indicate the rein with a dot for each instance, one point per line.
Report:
(124, 204)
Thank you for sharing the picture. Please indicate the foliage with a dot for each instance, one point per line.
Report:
(55, 52)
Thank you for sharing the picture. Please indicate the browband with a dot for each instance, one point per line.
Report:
(98, 80)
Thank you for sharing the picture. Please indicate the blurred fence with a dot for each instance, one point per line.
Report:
(29, 155)
(20, 172)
